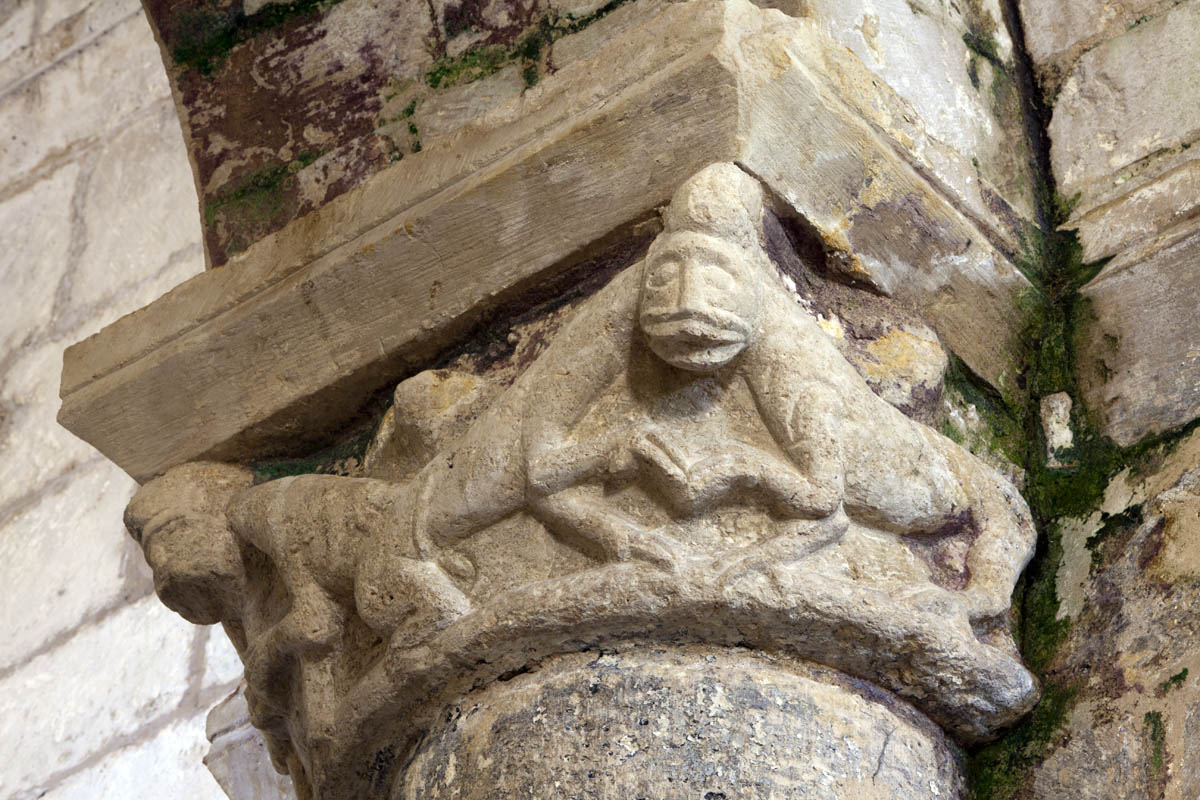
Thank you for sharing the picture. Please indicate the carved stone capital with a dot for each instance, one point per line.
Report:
(687, 473)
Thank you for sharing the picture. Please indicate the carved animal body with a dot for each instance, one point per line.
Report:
(689, 460)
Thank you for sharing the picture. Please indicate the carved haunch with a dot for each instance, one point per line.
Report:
(689, 460)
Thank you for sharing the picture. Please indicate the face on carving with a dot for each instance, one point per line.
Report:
(700, 298)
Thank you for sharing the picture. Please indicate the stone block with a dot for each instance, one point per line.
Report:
(239, 758)
(63, 560)
(1128, 583)
(959, 114)
(222, 665)
(1136, 217)
(17, 28)
(1140, 355)
(64, 27)
(166, 766)
(94, 690)
(27, 406)
(139, 214)
(37, 238)
(329, 304)
(76, 101)
(1058, 31)
(663, 722)
(1128, 110)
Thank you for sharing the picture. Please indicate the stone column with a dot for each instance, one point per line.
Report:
(659, 721)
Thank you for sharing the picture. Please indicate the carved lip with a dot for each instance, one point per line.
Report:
(692, 331)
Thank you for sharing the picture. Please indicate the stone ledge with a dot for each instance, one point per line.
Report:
(323, 312)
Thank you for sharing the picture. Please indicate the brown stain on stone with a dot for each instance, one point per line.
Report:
(945, 550)
(902, 229)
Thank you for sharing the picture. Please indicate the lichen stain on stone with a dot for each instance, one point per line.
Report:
(310, 83)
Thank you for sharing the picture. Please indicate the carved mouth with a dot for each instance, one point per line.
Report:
(691, 332)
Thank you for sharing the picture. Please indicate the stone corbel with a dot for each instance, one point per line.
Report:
(682, 550)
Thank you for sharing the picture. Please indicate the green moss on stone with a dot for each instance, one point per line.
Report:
(997, 771)
(1112, 526)
(202, 38)
(481, 61)
(341, 458)
(467, 67)
(1001, 417)
(983, 44)
(1173, 682)
(1041, 632)
(1156, 730)
(951, 432)
(256, 198)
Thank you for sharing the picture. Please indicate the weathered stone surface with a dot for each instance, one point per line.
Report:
(1126, 117)
(68, 287)
(344, 89)
(1136, 218)
(1139, 354)
(1055, 412)
(58, 567)
(222, 666)
(16, 29)
(76, 100)
(65, 27)
(41, 736)
(154, 193)
(315, 311)
(167, 766)
(958, 116)
(683, 457)
(76, 718)
(1128, 583)
(680, 722)
(238, 757)
(1057, 32)
(28, 260)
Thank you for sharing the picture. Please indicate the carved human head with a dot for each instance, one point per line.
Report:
(702, 284)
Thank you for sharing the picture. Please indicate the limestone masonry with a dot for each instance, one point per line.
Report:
(579, 399)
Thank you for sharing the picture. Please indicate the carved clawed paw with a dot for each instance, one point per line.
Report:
(653, 549)
(407, 599)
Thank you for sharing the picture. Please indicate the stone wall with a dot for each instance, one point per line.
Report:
(103, 692)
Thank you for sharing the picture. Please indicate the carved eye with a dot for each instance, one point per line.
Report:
(662, 274)
(718, 277)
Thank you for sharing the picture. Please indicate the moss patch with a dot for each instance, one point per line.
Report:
(1000, 416)
(529, 51)
(1156, 731)
(1115, 527)
(255, 201)
(470, 66)
(1173, 682)
(997, 771)
(342, 458)
(201, 38)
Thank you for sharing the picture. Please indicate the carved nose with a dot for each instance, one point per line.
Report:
(689, 288)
